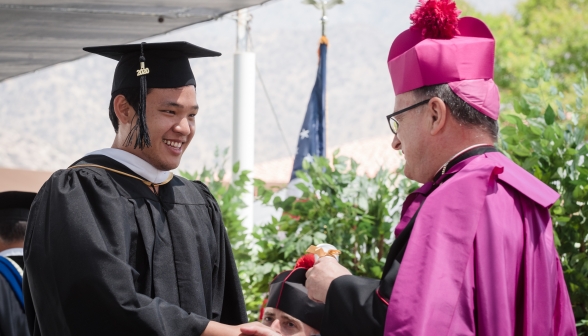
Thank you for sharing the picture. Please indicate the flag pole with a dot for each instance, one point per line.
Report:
(324, 39)
(324, 5)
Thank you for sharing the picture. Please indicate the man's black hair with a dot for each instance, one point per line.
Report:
(13, 231)
(461, 111)
(132, 97)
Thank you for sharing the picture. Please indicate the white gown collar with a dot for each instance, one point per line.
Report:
(135, 163)
(13, 252)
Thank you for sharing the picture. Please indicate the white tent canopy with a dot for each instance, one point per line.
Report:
(38, 33)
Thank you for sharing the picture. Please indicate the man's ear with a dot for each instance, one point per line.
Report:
(123, 110)
(438, 115)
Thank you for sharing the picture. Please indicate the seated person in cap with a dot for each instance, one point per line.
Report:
(286, 324)
(289, 311)
(119, 245)
(14, 211)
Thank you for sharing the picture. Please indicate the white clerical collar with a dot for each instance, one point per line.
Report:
(444, 167)
(136, 164)
(13, 252)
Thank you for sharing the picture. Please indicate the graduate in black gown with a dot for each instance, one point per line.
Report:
(14, 211)
(117, 244)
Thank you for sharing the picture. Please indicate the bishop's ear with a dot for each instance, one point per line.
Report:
(437, 115)
(123, 110)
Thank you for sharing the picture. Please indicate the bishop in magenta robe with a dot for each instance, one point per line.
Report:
(474, 252)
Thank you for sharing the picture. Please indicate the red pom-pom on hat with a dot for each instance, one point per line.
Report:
(436, 19)
(306, 261)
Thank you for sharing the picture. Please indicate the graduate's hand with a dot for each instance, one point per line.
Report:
(256, 329)
(219, 329)
(319, 277)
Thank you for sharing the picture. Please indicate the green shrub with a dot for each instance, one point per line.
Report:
(353, 212)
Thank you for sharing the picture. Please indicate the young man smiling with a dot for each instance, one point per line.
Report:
(117, 244)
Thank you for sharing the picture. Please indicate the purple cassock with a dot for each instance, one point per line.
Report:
(481, 258)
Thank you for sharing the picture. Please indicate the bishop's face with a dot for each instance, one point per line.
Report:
(412, 137)
(171, 115)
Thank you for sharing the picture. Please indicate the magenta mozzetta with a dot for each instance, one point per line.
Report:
(481, 258)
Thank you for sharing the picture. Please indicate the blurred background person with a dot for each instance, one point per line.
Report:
(14, 211)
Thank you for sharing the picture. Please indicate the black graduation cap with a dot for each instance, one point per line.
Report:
(14, 206)
(151, 65)
(288, 294)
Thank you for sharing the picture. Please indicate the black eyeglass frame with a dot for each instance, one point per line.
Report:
(391, 116)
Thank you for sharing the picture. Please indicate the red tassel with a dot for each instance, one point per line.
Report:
(262, 309)
(436, 19)
(306, 261)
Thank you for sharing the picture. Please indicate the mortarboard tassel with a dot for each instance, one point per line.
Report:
(142, 139)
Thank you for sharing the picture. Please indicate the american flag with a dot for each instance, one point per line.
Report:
(312, 137)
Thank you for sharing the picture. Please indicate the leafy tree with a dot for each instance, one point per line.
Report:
(552, 32)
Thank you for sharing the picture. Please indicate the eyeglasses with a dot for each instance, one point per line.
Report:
(393, 123)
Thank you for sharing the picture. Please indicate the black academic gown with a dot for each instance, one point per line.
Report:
(104, 255)
(355, 305)
(13, 320)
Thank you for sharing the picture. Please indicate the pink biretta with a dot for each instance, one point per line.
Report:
(464, 61)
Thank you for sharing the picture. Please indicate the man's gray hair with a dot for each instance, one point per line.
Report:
(461, 111)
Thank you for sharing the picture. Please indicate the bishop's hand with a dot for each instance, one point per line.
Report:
(320, 276)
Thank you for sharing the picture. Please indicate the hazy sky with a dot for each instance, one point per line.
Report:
(61, 111)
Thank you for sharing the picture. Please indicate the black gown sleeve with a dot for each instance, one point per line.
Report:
(228, 305)
(76, 253)
(353, 308)
(13, 321)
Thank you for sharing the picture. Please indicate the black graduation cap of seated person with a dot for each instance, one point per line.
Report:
(288, 294)
(147, 66)
(14, 206)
